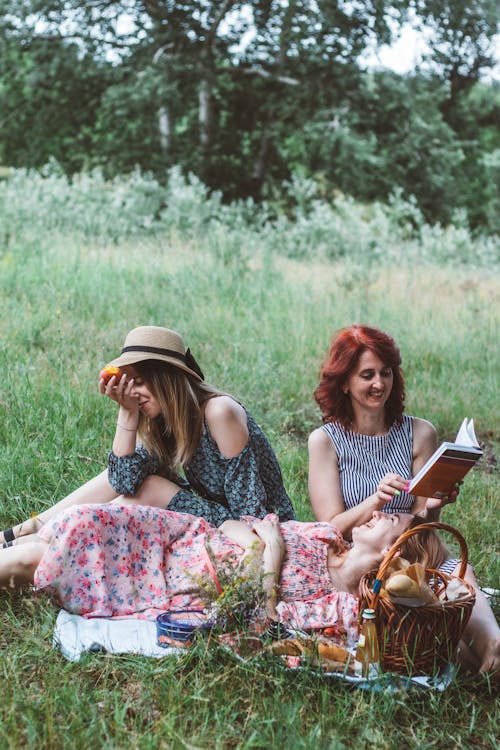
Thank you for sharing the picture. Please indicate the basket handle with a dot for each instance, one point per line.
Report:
(377, 584)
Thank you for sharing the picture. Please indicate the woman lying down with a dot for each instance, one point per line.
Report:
(119, 559)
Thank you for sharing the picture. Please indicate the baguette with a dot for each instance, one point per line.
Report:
(332, 652)
(287, 647)
(323, 652)
(402, 585)
(337, 666)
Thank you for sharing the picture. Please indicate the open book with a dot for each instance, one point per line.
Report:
(448, 465)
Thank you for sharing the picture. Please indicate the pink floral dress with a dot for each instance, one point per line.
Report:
(308, 598)
(116, 560)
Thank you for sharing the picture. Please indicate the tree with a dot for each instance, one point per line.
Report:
(462, 38)
(242, 93)
(195, 43)
(390, 133)
(49, 94)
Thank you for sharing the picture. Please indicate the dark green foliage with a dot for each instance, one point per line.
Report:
(49, 95)
(463, 39)
(245, 94)
(391, 133)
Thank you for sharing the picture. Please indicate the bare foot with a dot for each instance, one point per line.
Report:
(491, 659)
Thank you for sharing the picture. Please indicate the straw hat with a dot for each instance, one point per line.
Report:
(154, 342)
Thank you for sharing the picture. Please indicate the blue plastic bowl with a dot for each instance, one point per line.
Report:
(180, 625)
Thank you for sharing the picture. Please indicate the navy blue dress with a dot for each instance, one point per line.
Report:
(215, 487)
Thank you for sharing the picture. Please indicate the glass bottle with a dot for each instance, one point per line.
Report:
(367, 658)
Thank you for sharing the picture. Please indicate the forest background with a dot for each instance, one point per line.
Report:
(247, 94)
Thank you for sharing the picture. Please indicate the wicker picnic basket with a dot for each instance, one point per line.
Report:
(418, 640)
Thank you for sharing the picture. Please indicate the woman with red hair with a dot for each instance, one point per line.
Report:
(367, 449)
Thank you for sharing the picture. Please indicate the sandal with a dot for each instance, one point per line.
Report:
(8, 536)
(276, 631)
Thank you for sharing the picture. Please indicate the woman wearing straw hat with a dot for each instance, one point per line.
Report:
(169, 418)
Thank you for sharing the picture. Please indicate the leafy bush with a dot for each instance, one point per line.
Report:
(86, 204)
(34, 203)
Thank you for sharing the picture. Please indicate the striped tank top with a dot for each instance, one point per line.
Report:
(364, 459)
(449, 565)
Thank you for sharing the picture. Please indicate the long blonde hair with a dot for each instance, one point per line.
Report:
(174, 435)
(427, 547)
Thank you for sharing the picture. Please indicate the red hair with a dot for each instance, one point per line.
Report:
(345, 350)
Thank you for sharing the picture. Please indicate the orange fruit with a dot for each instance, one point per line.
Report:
(110, 371)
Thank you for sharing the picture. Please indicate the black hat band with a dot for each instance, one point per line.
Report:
(187, 358)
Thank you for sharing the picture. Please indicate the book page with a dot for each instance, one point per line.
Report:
(466, 434)
(449, 464)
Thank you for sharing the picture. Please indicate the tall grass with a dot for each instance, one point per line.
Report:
(259, 320)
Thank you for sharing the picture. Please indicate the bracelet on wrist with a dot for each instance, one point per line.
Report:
(128, 429)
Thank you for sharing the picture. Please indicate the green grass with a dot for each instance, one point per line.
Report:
(259, 327)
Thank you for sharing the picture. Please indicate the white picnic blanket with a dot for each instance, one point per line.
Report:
(75, 635)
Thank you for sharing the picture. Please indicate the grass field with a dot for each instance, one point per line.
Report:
(259, 324)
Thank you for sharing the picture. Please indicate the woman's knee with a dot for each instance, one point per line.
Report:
(156, 491)
(31, 560)
(18, 566)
